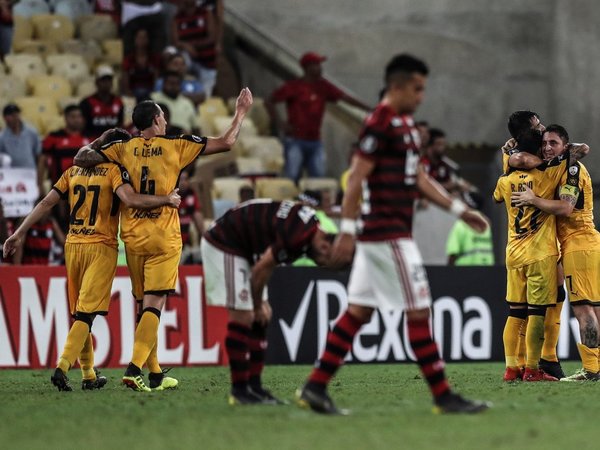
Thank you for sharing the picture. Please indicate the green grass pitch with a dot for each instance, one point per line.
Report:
(390, 404)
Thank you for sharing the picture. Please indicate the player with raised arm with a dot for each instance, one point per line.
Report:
(580, 247)
(90, 250)
(153, 238)
(387, 270)
(239, 253)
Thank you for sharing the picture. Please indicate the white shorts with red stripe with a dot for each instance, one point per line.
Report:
(226, 279)
(389, 275)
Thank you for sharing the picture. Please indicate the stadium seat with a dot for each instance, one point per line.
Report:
(319, 184)
(35, 47)
(66, 101)
(276, 188)
(53, 27)
(90, 51)
(22, 30)
(222, 123)
(97, 27)
(28, 8)
(213, 107)
(228, 188)
(12, 87)
(73, 9)
(249, 166)
(268, 149)
(52, 123)
(53, 86)
(258, 113)
(71, 66)
(22, 65)
(128, 105)
(37, 110)
(86, 87)
(113, 52)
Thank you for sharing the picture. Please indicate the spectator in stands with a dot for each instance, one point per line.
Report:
(6, 27)
(37, 248)
(21, 143)
(140, 68)
(190, 86)
(190, 214)
(102, 110)
(467, 247)
(440, 167)
(109, 7)
(246, 193)
(423, 127)
(182, 111)
(146, 14)
(305, 99)
(194, 33)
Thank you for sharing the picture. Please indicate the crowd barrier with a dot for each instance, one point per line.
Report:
(468, 319)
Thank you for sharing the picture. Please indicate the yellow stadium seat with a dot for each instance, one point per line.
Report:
(223, 123)
(319, 184)
(67, 101)
(213, 106)
(86, 88)
(128, 105)
(89, 50)
(258, 113)
(276, 188)
(22, 30)
(12, 87)
(53, 27)
(250, 166)
(53, 86)
(37, 109)
(22, 65)
(71, 66)
(113, 51)
(228, 188)
(52, 123)
(97, 27)
(35, 47)
(268, 149)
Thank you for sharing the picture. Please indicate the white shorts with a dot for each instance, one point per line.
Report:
(389, 275)
(226, 279)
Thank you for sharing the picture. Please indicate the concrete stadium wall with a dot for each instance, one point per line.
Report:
(487, 58)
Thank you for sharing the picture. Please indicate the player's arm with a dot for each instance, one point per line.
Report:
(561, 207)
(198, 219)
(142, 201)
(523, 160)
(578, 151)
(259, 277)
(41, 209)
(224, 142)
(89, 155)
(432, 190)
(343, 247)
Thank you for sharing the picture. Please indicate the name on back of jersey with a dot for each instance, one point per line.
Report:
(520, 187)
(147, 152)
(89, 172)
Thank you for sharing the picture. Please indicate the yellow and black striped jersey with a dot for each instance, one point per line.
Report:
(578, 232)
(531, 232)
(93, 205)
(154, 165)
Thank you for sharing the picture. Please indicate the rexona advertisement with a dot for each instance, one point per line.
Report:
(468, 319)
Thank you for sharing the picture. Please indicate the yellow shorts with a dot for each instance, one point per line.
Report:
(533, 284)
(153, 274)
(90, 272)
(582, 274)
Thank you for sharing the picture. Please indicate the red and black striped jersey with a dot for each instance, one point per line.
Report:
(38, 243)
(188, 206)
(390, 141)
(250, 228)
(60, 147)
(101, 116)
(193, 28)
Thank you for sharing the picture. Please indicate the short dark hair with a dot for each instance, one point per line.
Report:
(435, 133)
(530, 141)
(422, 123)
(560, 130)
(70, 108)
(520, 121)
(144, 113)
(401, 67)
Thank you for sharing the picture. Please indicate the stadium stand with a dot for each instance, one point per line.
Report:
(52, 27)
(276, 188)
(228, 188)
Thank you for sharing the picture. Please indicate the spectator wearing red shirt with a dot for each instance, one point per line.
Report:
(189, 214)
(102, 110)
(305, 99)
(140, 68)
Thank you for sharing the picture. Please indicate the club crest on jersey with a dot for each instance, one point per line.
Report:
(125, 175)
(196, 138)
(573, 170)
(368, 144)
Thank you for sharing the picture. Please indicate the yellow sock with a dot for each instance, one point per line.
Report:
(86, 359)
(152, 361)
(589, 357)
(522, 346)
(75, 340)
(145, 338)
(535, 340)
(551, 332)
(510, 338)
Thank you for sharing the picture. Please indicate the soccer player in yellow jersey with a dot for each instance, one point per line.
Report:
(153, 238)
(580, 246)
(90, 249)
(531, 257)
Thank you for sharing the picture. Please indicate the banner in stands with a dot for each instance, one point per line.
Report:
(18, 191)
(468, 319)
